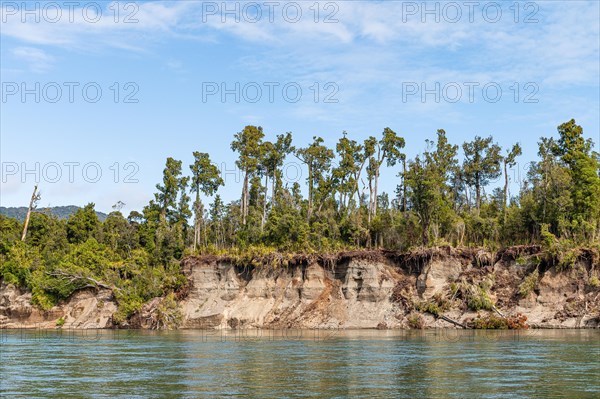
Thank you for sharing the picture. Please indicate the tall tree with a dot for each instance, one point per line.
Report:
(482, 163)
(442, 160)
(183, 212)
(248, 143)
(317, 158)
(273, 157)
(423, 190)
(35, 197)
(206, 179)
(352, 159)
(545, 197)
(576, 153)
(171, 224)
(387, 149)
(427, 180)
(166, 197)
(216, 212)
(509, 161)
(403, 176)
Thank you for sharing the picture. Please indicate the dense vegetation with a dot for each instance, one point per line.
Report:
(440, 200)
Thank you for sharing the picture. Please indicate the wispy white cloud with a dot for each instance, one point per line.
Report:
(37, 60)
(373, 46)
(81, 29)
(560, 49)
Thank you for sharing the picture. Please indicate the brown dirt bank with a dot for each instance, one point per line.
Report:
(426, 288)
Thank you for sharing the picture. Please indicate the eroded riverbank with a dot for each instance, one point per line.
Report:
(439, 288)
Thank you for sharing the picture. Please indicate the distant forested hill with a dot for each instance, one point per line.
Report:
(62, 212)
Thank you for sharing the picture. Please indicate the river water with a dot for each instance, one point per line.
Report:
(288, 363)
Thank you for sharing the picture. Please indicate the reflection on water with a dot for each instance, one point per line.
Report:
(285, 363)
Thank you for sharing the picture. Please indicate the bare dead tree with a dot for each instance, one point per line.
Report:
(35, 197)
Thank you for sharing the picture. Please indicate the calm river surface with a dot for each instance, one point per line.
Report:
(370, 364)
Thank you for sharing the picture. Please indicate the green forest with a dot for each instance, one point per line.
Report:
(443, 197)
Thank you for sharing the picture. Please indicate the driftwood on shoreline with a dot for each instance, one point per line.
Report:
(456, 323)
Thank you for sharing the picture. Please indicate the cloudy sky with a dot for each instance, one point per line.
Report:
(96, 95)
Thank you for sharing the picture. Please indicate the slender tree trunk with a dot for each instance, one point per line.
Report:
(205, 233)
(370, 199)
(222, 233)
(195, 235)
(544, 201)
(505, 204)
(273, 189)
(198, 216)
(310, 191)
(477, 191)
(31, 203)
(264, 215)
(201, 225)
(244, 204)
(404, 185)
(375, 191)
(356, 191)
(467, 199)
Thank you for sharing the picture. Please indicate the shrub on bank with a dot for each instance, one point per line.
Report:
(496, 322)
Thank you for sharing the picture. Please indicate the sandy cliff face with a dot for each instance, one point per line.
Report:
(356, 290)
(381, 292)
(86, 309)
(355, 293)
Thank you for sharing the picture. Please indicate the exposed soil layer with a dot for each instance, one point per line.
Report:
(363, 289)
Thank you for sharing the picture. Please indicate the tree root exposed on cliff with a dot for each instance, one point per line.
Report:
(88, 281)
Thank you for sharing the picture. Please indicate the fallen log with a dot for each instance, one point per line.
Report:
(449, 320)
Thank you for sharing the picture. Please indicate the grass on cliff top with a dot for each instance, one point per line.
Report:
(561, 253)
(261, 255)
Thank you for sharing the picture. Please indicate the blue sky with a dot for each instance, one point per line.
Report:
(366, 56)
